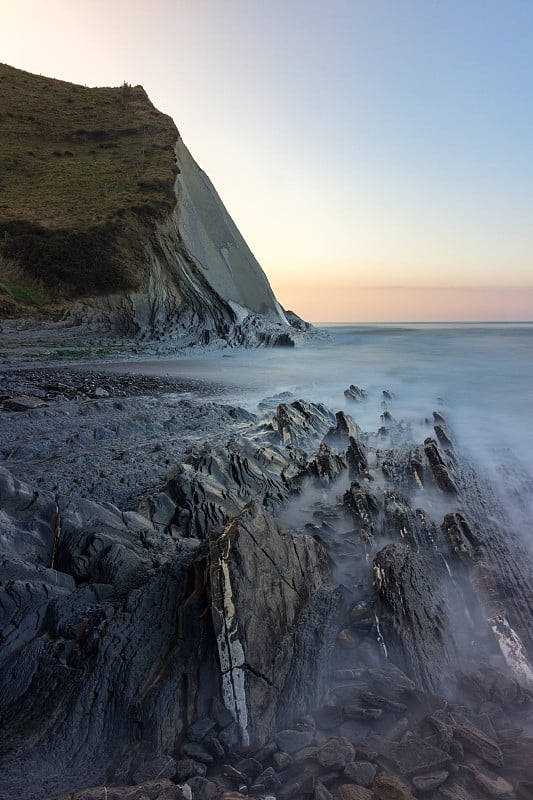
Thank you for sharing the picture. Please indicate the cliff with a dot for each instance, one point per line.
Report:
(106, 217)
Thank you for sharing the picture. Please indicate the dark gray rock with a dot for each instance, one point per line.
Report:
(292, 741)
(336, 753)
(200, 729)
(189, 768)
(360, 772)
(270, 598)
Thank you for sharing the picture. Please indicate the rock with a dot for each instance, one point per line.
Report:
(270, 598)
(478, 743)
(199, 729)
(306, 754)
(390, 681)
(300, 422)
(389, 787)
(267, 781)
(348, 791)
(348, 639)
(100, 392)
(360, 712)
(234, 775)
(430, 780)
(524, 790)
(189, 768)
(345, 428)
(23, 403)
(221, 715)
(439, 467)
(292, 741)
(283, 761)
(164, 767)
(493, 785)
(250, 767)
(162, 789)
(320, 792)
(336, 753)
(329, 717)
(413, 755)
(355, 393)
(412, 615)
(378, 701)
(198, 753)
(360, 772)
(202, 789)
(327, 466)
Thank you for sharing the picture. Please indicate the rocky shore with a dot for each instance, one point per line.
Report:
(200, 602)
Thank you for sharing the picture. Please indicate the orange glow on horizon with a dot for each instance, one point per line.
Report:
(351, 303)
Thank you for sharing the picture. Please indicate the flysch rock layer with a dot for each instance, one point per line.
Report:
(201, 641)
(202, 282)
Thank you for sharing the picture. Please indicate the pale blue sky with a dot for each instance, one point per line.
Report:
(359, 145)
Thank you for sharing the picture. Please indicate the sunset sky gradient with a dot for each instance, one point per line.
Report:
(376, 155)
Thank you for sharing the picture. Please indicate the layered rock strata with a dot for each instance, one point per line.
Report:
(249, 655)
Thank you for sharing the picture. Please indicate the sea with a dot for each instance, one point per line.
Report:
(478, 375)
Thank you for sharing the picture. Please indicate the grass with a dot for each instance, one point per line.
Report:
(24, 293)
(83, 173)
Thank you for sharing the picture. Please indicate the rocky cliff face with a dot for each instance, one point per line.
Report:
(106, 216)
(200, 280)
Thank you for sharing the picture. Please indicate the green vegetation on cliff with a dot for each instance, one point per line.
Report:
(83, 173)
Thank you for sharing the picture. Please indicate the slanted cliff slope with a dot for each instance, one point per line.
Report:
(105, 214)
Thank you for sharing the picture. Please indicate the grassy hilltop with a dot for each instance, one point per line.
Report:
(83, 173)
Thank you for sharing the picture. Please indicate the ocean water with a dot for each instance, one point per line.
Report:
(479, 375)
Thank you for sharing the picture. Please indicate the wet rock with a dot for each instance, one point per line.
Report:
(162, 789)
(221, 715)
(300, 422)
(329, 717)
(23, 403)
(378, 701)
(200, 729)
(327, 466)
(336, 753)
(430, 780)
(189, 768)
(517, 756)
(524, 790)
(356, 458)
(360, 712)
(439, 467)
(340, 434)
(202, 788)
(413, 755)
(413, 616)
(360, 772)
(283, 761)
(348, 639)
(164, 767)
(348, 791)
(270, 597)
(292, 741)
(389, 787)
(234, 775)
(478, 743)
(267, 781)
(355, 393)
(306, 754)
(390, 681)
(251, 767)
(492, 785)
(320, 792)
(198, 753)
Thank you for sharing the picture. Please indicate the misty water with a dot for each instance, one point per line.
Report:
(479, 375)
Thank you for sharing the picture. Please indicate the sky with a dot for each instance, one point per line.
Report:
(377, 155)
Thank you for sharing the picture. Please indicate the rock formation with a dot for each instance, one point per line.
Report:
(147, 249)
(201, 643)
